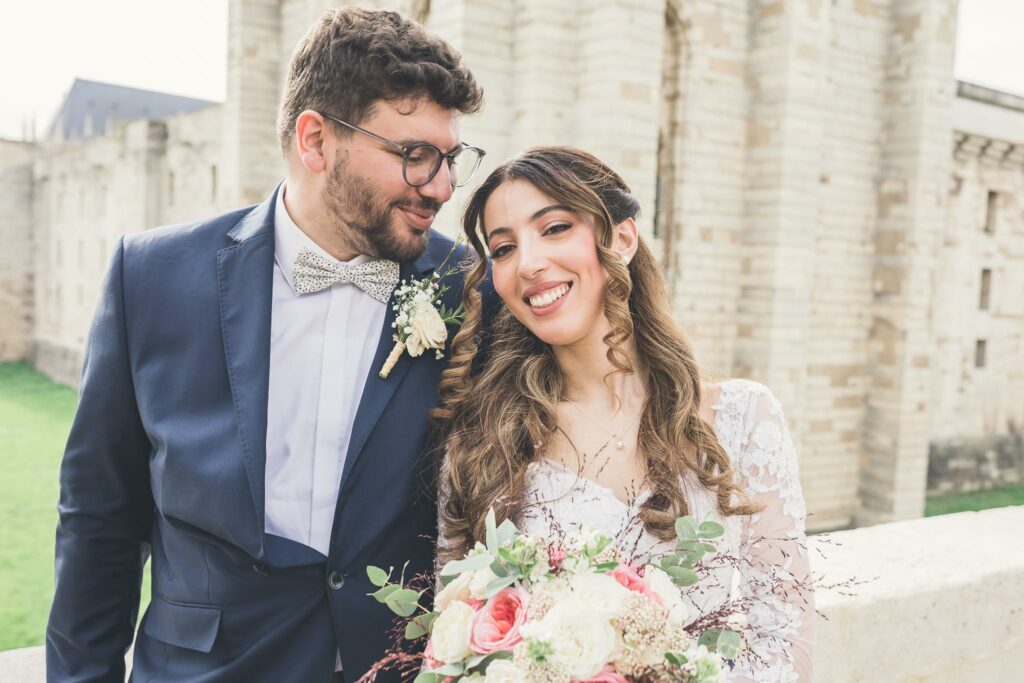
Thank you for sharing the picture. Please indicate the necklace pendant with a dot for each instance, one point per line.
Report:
(620, 445)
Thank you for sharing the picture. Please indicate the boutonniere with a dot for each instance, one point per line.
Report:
(421, 320)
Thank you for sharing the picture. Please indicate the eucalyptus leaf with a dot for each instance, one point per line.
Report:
(403, 602)
(378, 577)
(450, 669)
(496, 585)
(710, 529)
(507, 532)
(427, 677)
(382, 594)
(683, 576)
(725, 643)
(479, 663)
(414, 630)
(491, 533)
(469, 564)
(686, 530)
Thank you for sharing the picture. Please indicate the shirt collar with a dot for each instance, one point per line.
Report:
(289, 239)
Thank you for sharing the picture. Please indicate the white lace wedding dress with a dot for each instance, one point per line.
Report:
(762, 561)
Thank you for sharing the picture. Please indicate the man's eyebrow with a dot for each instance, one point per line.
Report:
(539, 213)
(412, 142)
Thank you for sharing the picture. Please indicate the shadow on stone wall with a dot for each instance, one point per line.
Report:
(960, 465)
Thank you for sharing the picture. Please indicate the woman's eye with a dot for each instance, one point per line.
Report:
(557, 228)
(501, 250)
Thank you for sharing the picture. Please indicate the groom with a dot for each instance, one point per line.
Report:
(231, 419)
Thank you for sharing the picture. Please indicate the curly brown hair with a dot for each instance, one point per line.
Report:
(493, 413)
(353, 57)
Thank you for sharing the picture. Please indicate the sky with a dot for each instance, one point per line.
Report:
(180, 47)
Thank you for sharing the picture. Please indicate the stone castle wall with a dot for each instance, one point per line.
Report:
(16, 238)
(793, 161)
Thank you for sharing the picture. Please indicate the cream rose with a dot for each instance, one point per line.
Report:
(504, 671)
(599, 590)
(457, 589)
(668, 592)
(452, 630)
(581, 640)
(427, 329)
(478, 584)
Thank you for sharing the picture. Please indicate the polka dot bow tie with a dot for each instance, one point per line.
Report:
(313, 272)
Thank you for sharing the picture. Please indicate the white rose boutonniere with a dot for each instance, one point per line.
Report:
(421, 319)
(428, 329)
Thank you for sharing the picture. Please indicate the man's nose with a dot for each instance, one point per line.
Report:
(440, 186)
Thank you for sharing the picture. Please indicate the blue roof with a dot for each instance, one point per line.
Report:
(101, 104)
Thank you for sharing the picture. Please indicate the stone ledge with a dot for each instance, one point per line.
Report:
(929, 611)
(943, 600)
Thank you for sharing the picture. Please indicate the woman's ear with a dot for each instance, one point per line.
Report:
(626, 239)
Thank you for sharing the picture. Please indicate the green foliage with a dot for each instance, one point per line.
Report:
(976, 500)
(725, 643)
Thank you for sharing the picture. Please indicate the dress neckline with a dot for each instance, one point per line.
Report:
(607, 492)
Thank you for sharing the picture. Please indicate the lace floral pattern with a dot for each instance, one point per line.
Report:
(762, 561)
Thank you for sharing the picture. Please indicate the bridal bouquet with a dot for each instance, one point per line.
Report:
(520, 610)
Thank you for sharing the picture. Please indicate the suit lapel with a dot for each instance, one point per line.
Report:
(377, 392)
(245, 275)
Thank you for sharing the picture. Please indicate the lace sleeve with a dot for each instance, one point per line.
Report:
(773, 555)
(444, 492)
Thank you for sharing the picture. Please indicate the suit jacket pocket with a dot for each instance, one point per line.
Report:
(185, 625)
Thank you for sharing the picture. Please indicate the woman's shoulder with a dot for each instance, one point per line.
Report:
(741, 396)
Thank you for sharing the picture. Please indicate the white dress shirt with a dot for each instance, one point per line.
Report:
(321, 348)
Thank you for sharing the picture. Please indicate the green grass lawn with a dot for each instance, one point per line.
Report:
(35, 416)
(976, 500)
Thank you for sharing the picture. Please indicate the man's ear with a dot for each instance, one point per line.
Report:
(309, 140)
(626, 239)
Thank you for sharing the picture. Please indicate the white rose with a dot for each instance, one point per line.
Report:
(452, 629)
(504, 671)
(599, 591)
(478, 584)
(457, 589)
(581, 640)
(427, 329)
(668, 592)
(473, 678)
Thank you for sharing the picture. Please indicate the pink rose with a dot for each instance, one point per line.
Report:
(556, 555)
(629, 578)
(428, 656)
(496, 626)
(606, 675)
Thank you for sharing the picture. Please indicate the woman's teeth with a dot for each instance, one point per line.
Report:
(549, 297)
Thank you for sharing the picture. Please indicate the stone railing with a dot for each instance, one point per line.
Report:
(942, 600)
(938, 600)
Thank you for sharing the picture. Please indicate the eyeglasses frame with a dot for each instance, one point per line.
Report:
(406, 150)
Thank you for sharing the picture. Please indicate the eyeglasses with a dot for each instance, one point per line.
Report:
(421, 162)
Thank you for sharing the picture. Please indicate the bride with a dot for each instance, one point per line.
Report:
(590, 410)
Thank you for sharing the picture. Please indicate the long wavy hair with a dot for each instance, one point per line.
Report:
(494, 411)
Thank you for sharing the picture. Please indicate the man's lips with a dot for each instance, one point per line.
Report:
(419, 218)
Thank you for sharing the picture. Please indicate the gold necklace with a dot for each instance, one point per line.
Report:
(619, 442)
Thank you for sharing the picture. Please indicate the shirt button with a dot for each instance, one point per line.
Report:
(335, 580)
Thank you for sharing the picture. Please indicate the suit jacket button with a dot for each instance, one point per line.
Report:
(335, 580)
(260, 568)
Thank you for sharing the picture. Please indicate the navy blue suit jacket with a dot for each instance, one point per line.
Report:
(167, 453)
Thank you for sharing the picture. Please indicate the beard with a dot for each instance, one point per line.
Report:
(365, 218)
